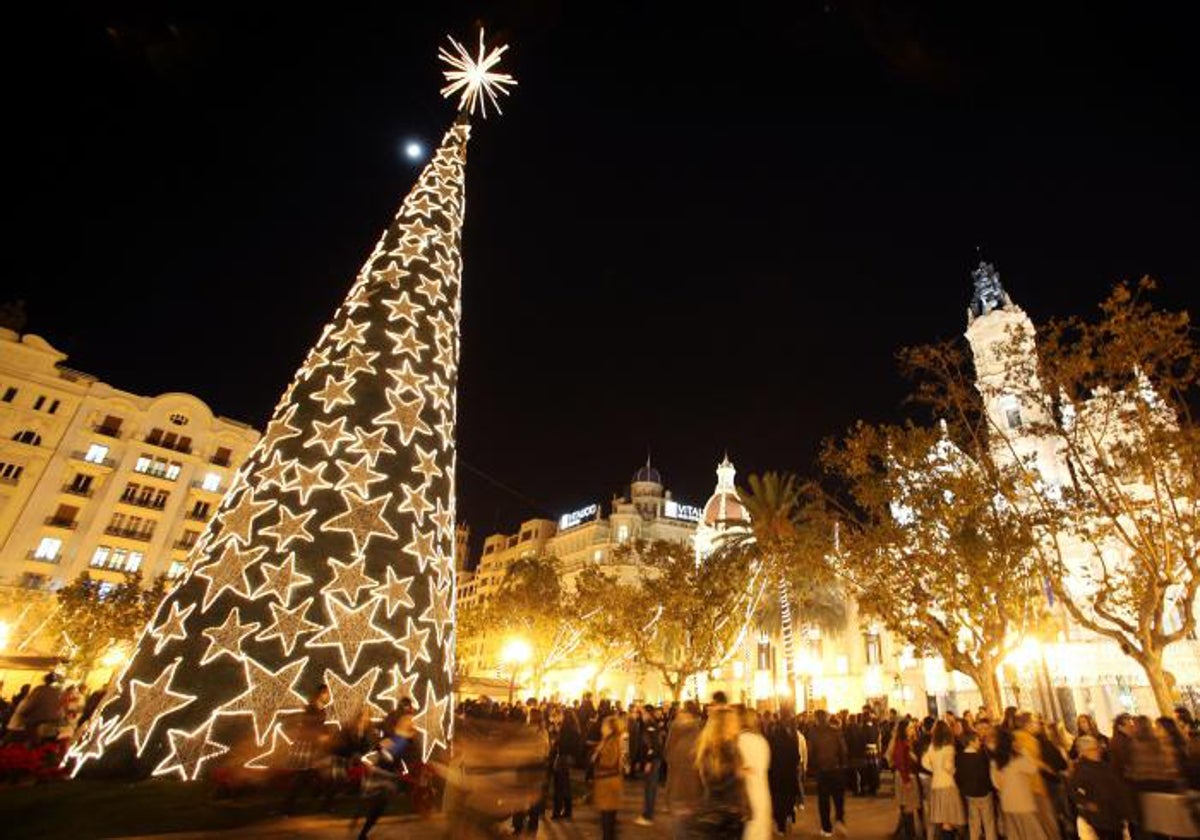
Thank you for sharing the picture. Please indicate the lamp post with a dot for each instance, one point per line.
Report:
(515, 653)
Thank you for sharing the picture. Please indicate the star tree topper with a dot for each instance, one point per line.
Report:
(474, 77)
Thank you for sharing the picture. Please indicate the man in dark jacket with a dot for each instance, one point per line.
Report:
(1099, 793)
(828, 758)
(972, 774)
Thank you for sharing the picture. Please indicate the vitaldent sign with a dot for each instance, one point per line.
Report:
(577, 517)
(689, 513)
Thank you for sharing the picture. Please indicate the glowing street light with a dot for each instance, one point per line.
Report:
(515, 653)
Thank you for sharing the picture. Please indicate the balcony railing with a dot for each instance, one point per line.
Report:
(184, 545)
(82, 456)
(107, 431)
(196, 516)
(161, 474)
(4, 479)
(199, 485)
(59, 522)
(129, 533)
(85, 492)
(33, 555)
(221, 461)
(151, 504)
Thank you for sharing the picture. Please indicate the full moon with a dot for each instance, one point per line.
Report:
(413, 150)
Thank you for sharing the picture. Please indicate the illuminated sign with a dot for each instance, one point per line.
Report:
(577, 517)
(674, 510)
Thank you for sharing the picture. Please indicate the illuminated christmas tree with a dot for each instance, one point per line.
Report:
(330, 559)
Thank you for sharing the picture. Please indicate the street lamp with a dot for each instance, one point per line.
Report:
(515, 653)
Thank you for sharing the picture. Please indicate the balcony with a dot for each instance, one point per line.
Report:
(82, 456)
(33, 555)
(128, 533)
(197, 516)
(84, 492)
(184, 545)
(199, 485)
(221, 460)
(174, 447)
(9, 480)
(149, 504)
(56, 522)
(107, 431)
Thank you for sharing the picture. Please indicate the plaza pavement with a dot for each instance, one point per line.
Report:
(866, 819)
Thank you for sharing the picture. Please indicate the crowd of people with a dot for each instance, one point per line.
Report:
(724, 770)
(49, 713)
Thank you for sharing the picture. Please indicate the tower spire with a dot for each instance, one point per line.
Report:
(988, 294)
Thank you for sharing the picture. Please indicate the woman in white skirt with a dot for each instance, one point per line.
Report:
(1013, 775)
(945, 802)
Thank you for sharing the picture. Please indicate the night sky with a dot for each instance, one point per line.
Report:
(691, 231)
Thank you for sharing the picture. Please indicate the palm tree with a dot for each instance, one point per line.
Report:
(773, 534)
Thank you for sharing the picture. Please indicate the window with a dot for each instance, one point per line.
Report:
(175, 569)
(623, 534)
(53, 406)
(178, 419)
(169, 440)
(28, 436)
(212, 482)
(100, 556)
(874, 649)
(97, 454)
(39, 402)
(118, 558)
(65, 516)
(111, 426)
(144, 462)
(134, 562)
(1013, 416)
(200, 510)
(10, 394)
(32, 580)
(185, 445)
(81, 484)
(223, 457)
(155, 436)
(173, 470)
(48, 549)
(10, 472)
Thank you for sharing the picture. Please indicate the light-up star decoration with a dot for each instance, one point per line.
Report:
(328, 560)
(474, 77)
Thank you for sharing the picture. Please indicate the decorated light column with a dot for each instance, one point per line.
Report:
(330, 559)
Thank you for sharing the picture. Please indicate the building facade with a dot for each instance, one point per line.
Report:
(97, 479)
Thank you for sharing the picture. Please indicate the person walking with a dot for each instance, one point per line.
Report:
(755, 758)
(568, 743)
(684, 787)
(904, 771)
(972, 774)
(384, 768)
(723, 808)
(606, 776)
(945, 801)
(1014, 775)
(827, 755)
(783, 775)
(649, 757)
(1099, 795)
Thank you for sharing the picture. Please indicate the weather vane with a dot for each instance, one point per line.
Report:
(474, 76)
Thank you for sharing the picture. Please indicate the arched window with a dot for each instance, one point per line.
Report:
(28, 436)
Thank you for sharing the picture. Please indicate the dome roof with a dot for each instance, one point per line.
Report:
(647, 474)
(722, 509)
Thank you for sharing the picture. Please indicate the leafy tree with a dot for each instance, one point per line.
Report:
(600, 606)
(684, 618)
(530, 603)
(933, 549)
(1107, 460)
(94, 616)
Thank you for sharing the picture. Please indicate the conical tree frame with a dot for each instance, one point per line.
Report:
(331, 557)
